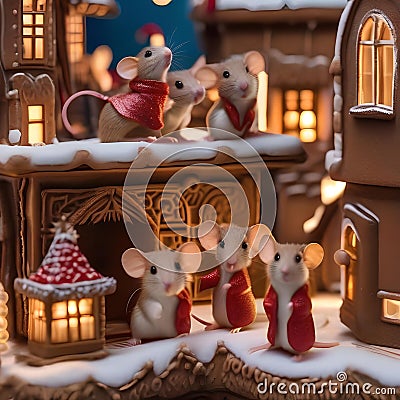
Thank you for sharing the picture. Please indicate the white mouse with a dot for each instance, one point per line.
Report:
(185, 91)
(164, 304)
(137, 114)
(287, 302)
(233, 302)
(237, 83)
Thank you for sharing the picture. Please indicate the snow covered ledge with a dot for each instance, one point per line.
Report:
(69, 155)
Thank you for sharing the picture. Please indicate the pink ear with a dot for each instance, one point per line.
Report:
(190, 257)
(200, 62)
(127, 68)
(268, 248)
(207, 76)
(254, 61)
(134, 263)
(209, 234)
(256, 237)
(313, 255)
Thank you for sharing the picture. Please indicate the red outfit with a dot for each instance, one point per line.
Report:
(234, 116)
(300, 328)
(144, 104)
(240, 301)
(182, 320)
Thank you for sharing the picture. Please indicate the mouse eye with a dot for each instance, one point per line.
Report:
(297, 258)
(277, 257)
(245, 246)
(247, 69)
(226, 74)
(148, 53)
(179, 84)
(153, 270)
(178, 266)
(222, 244)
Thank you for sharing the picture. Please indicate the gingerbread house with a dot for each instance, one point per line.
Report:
(366, 124)
(42, 42)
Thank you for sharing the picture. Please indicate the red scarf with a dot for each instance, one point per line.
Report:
(234, 116)
(144, 104)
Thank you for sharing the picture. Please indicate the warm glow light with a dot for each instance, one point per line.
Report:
(212, 94)
(59, 310)
(85, 306)
(262, 97)
(350, 287)
(72, 308)
(308, 135)
(311, 224)
(331, 190)
(157, 40)
(291, 120)
(391, 309)
(307, 120)
(87, 328)
(59, 331)
(3, 318)
(35, 124)
(161, 2)
(353, 240)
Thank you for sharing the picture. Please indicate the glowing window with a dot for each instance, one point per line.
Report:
(376, 62)
(75, 35)
(35, 124)
(351, 246)
(391, 310)
(299, 114)
(37, 321)
(33, 29)
(72, 321)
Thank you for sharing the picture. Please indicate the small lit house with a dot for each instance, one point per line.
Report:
(367, 139)
(41, 41)
(66, 300)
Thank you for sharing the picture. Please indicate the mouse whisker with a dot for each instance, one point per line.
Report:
(170, 40)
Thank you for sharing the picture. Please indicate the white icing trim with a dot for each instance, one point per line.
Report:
(65, 291)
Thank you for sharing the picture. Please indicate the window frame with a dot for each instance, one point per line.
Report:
(374, 109)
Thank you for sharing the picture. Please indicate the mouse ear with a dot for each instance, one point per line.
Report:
(256, 238)
(207, 76)
(200, 62)
(267, 248)
(134, 263)
(313, 254)
(209, 234)
(127, 67)
(254, 61)
(189, 257)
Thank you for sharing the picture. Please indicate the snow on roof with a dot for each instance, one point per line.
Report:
(256, 5)
(68, 155)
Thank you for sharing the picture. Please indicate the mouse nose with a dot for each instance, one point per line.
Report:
(243, 86)
(167, 286)
(232, 260)
(199, 94)
(167, 54)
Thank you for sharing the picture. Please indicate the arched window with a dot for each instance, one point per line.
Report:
(376, 63)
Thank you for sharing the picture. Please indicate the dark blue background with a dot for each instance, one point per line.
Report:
(119, 33)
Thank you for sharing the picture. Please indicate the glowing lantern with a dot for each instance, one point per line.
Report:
(331, 190)
(3, 319)
(262, 97)
(66, 300)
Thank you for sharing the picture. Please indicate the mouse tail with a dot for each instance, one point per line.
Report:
(198, 319)
(64, 112)
(322, 345)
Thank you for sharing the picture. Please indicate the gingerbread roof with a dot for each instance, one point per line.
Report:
(65, 272)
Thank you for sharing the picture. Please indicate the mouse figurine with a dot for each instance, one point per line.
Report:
(164, 304)
(237, 83)
(233, 303)
(138, 114)
(185, 91)
(287, 302)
